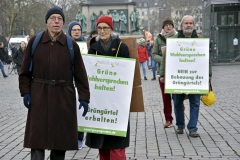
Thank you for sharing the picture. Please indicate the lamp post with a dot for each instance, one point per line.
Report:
(164, 8)
(148, 14)
(162, 13)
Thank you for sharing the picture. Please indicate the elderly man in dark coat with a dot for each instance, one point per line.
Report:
(49, 92)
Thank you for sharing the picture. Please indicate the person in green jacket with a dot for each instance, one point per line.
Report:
(158, 56)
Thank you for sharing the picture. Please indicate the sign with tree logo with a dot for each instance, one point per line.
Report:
(187, 66)
(111, 83)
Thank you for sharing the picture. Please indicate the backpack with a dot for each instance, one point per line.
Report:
(70, 49)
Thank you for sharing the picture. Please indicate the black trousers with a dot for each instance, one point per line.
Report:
(39, 154)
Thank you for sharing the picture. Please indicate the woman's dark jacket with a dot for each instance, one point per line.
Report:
(18, 57)
(99, 140)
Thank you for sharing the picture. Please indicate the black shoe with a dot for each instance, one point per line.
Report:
(5, 76)
(154, 78)
(179, 131)
(145, 78)
(193, 134)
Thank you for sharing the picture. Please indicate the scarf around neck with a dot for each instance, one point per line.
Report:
(169, 34)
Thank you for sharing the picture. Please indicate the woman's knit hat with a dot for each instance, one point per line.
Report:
(54, 10)
(70, 26)
(167, 21)
(105, 19)
(142, 41)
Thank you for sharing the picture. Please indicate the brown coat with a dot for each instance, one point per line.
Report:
(52, 119)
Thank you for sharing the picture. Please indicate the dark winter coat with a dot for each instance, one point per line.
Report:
(3, 55)
(18, 57)
(52, 119)
(99, 140)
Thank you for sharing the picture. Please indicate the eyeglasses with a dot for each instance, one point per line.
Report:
(76, 30)
(103, 28)
(53, 18)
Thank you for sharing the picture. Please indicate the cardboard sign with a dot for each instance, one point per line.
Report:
(137, 104)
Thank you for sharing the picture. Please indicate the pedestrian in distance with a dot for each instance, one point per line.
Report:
(3, 54)
(48, 90)
(149, 49)
(167, 31)
(18, 55)
(3, 39)
(188, 31)
(13, 49)
(107, 44)
(143, 56)
(154, 64)
(75, 31)
(93, 34)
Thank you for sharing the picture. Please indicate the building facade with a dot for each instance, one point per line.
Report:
(221, 23)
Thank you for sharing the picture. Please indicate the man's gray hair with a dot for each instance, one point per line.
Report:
(187, 16)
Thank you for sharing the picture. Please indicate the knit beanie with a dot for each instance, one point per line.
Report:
(142, 41)
(105, 19)
(70, 26)
(54, 10)
(167, 21)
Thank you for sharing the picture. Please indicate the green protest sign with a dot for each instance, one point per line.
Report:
(187, 66)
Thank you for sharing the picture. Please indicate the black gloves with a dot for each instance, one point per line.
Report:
(27, 100)
(83, 104)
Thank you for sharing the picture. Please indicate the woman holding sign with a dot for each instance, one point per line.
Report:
(108, 44)
(158, 56)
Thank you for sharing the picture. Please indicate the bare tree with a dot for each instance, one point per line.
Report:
(12, 11)
(27, 16)
(180, 8)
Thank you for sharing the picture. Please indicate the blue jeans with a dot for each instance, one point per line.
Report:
(154, 68)
(149, 62)
(194, 100)
(2, 68)
(143, 65)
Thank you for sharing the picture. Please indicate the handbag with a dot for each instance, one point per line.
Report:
(209, 99)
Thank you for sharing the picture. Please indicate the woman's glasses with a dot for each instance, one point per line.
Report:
(103, 28)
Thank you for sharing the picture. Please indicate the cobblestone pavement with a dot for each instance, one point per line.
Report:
(219, 125)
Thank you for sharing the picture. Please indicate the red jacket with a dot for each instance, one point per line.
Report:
(142, 54)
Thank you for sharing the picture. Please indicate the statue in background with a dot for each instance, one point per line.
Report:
(80, 17)
(122, 22)
(100, 14)
(134, 17)
(109, 13)
(93, 19)
(116, 18)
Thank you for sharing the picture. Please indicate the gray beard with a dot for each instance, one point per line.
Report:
(188, 31)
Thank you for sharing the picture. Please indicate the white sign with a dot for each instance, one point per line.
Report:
(83, 47)
(187, 66)
(235, 41)
(111, 83)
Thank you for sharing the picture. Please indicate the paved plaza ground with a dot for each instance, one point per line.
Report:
(219, 125)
